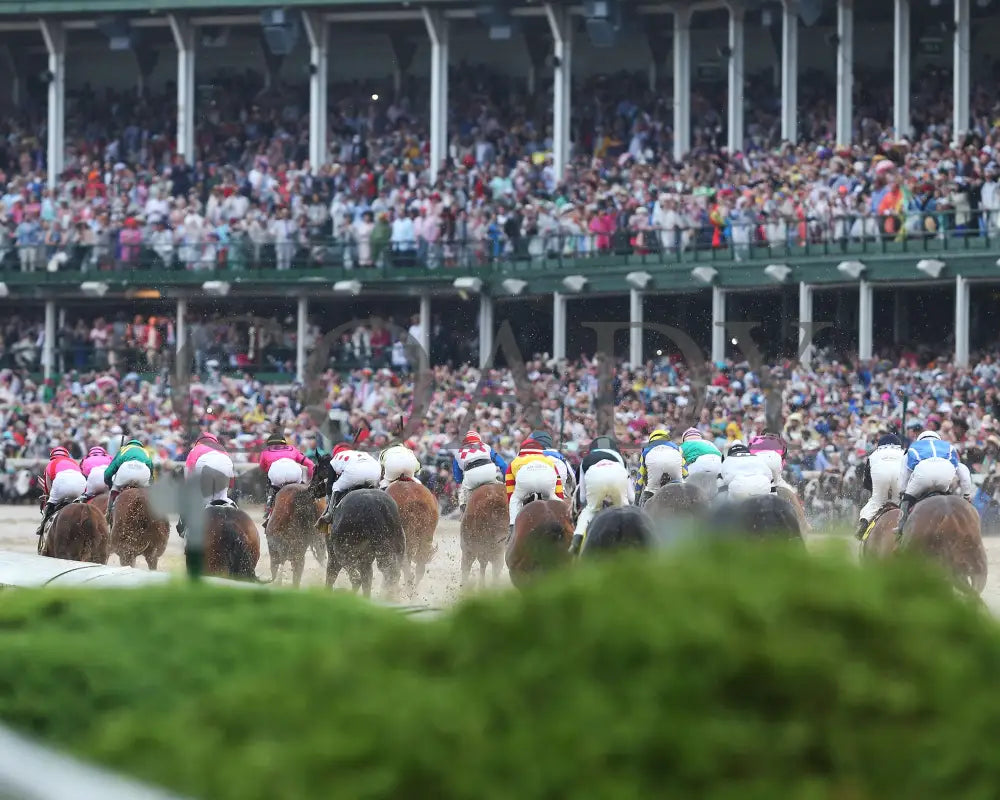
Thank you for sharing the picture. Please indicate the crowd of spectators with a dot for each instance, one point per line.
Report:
(252, 199)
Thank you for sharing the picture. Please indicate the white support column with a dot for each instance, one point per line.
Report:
(561, 25)
(49, 342)
(805, 323)
(962, 297)
(960, 70)
(682, 82)
(302, 323)
(180, 326)
(736, 80)
(635, 315)
(558, 326)
(55, 43)
(486, 328)
(718, 323)
(865, 320)
(901, 76)
(789, 71)
(318, 31)
(845, 71)
(184, 40)
(425, 324)
(437, 31)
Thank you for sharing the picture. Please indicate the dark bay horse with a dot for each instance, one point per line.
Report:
(767, 517)
(291, 530)
(366, 529)
(617, 529)
(945, 529)
(231, 543)
(78, 532)
(541, 540)
(788, 493)
(879, 540)
(676, 499)
(418, 511)
(137, 530)
(484, 527)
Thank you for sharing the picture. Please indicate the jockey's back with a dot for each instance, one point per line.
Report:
(923, 449)
(276, 452)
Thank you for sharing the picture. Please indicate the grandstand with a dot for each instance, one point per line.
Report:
(721, 86)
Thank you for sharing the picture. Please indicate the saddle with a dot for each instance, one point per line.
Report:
(221, 504)
(876, 517)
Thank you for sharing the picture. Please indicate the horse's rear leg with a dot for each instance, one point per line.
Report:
(466, 566)
(333, 567)
(151, 561)
(362, 578)
(274, 557)
(318, 547)
(420, 570)
(298, 565)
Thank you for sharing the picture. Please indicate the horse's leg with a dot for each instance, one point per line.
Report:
(483, 563)
(151, 559)
(421, 568)
(466, 566)
(298, 560)
(274, 557)
(497, 568)
(333, 567)
(364, 579)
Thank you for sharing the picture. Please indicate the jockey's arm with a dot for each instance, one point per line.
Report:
(904, 474)
(456, 470)
(497, 459)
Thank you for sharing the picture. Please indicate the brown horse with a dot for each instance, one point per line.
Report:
(673, 500)
(366, 529)
(786, 492)
(418, 511)
(880, 539)
(231, 543)
(541, 540)
(137, 530)
(945, 529)
(484, 527)
(291, 530)
(78, 532)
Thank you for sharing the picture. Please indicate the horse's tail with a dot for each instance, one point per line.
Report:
(238, 560)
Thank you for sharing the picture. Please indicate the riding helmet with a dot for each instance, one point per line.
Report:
(472, 438)
(59, 451)
(890, 439)
(604, 443)
(691, 434)
(340, 448)
(658, 434)
(737, 448)
(543, 438)
(928, 435)
(276, 438)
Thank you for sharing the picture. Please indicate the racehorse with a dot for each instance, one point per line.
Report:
(621, 528)
(418, 511)
(789, 494)
(136, 530)
(766, 517)
(231, 543)
(541, 540)
(78, 532)
(879, 540)
(484, 526)
(673, 500)
(366, 528)
(945, 529)
(291, 529)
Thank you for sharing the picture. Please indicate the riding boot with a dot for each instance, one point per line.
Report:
(46, 514)
(905, 504)
(268, 505)
(863, 524)
(327, 516)
(576, 544)
(181, 526)
(111, 505)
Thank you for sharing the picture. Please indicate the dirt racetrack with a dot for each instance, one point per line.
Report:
(441, 585)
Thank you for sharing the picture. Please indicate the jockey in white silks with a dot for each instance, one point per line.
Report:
(745, 474)
(881, 477)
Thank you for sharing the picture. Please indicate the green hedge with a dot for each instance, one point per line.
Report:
(732, 673)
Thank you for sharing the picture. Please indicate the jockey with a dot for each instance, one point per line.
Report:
(930, 465)
(398, 461)
(283, 464)
(63, 481)
(531, 472)
(602, 448)
(660, 459)
(354, 470)
(607, 480)
(771, 448)
(131, 467)
(93, 466)
(745, 474)
(208, 453)
(560, 461)
(881, 477)
(475, 465)
(703, 461)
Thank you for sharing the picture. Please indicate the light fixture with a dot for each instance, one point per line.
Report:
(852, 268)
(930, 266)
(777, 271)
(375, 98)
(513, 285)
(638, 280)
(468, 284)
(349, 287)
(704, 274)
(4, 291)
(574, 283)
(94, 288)
(217, 288)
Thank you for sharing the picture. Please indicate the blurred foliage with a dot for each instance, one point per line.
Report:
(724, 673)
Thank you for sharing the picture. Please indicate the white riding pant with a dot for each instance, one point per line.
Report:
(66, 485)
(131, 474)
(285, 471)
(606, 481)
(398, 462)
(662, 461)
(95, 482)
(535, 477)
(704, 473)
(749, 485)
(474, 478)
(929, 475)
(362, 470)
(884, 467)
(221, 472)
(773, 460)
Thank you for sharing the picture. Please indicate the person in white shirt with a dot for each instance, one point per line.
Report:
(403, 240)
(667, 222)
(282, 232)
